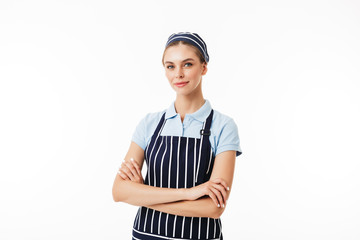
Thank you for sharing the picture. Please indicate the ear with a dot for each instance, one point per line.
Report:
(204, 71)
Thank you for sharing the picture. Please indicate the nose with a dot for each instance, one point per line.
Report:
(179, 73)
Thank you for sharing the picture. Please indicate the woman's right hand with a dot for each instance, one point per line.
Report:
(216, 189)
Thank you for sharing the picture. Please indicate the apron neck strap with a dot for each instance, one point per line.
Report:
(206, 130)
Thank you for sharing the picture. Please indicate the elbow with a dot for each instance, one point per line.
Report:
(120, 192)
(217, 212)
(116, 198)
(116, 192)
(212, 211)
(116, 195)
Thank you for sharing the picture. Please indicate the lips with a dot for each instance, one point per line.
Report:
(180, 84)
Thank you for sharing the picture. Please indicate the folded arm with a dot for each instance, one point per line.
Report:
(204, 207)
(135, 193)
(199, 201)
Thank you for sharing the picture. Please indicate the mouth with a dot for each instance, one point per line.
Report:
(181, 84)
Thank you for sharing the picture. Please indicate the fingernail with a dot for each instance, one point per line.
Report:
(228, 188)
(223, 206)
(218, 205)
(131, 159)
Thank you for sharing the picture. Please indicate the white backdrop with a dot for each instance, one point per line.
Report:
(77, 76)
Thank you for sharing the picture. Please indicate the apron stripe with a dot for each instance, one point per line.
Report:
(198, 167)
(186, 161)
(166, 224)
(207, 229)
(170, 160)
(209, 161)
(140, 210)
(177, 166)
(137, 217)
(182, 228)
(149, 165)
(214, 228)
(199, 227)
(191, 226)
(145, 218)
(174, 226)
(194, 165)
(159, 223)
(162, 164)
(152, 220)
(220, 228)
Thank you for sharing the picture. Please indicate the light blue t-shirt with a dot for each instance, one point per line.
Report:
(224, 132)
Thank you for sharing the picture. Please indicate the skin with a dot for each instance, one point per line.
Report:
(205, 200)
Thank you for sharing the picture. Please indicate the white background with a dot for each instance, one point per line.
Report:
(77, 76)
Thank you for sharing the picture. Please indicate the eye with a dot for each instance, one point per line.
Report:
(169, 66)
(188, 64)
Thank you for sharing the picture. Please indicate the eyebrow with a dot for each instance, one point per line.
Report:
(185, 60)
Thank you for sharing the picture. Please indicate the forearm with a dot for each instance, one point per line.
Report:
(142, 195)
(203, 207)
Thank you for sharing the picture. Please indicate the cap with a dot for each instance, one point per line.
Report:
(192, 38)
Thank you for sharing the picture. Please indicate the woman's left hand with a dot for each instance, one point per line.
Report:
(130, 170)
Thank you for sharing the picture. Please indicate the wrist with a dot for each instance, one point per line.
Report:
(186, 193)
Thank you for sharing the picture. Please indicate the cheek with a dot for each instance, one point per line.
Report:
(168, 74)
(194, 74)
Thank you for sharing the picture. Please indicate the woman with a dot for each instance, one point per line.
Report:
(189, 150)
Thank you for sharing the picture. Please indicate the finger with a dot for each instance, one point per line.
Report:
(218, 196)
(122, 175)
(132, 169)
(222, 191)
(137, 167)
(222, 182)
(127, 171)
(214, 198)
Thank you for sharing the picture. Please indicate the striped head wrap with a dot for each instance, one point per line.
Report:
(192, 38)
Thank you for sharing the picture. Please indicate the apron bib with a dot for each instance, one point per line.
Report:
(177, 162)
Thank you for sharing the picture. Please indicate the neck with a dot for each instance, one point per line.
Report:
(188, 104)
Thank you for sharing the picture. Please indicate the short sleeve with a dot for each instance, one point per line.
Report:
(228, 138)
(139, 135)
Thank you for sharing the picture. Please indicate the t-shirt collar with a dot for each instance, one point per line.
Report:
(199, 115)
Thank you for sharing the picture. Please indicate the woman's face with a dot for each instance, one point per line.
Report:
(183, 69)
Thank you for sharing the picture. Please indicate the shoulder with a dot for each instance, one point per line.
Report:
(145, 128)
(221, 120)
(152, 118)
(225, 133)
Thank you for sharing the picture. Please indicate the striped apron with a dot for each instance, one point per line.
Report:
(177, 162)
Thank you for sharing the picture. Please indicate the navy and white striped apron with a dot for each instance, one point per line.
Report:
(177, 162)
